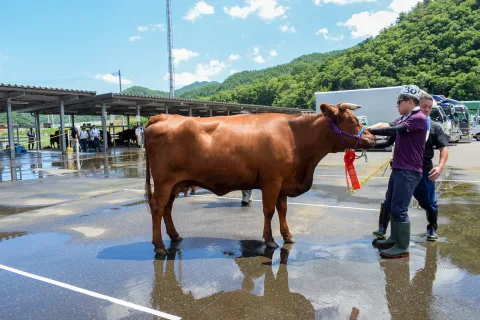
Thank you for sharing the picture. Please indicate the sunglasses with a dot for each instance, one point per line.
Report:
(401, 100)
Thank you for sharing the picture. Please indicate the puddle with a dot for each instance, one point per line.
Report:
(448, 189)
(463, 234)
(7, 211)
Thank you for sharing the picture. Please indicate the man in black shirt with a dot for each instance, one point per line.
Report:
(425, 190)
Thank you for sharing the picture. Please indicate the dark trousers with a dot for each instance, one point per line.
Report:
(96, 144)
(427, 198)
(401, 187)
(83, 144)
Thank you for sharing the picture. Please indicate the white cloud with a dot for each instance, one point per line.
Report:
(365, 24)
(151, 27)
(108, 77)
(134, 38)
(324, 32)
(200, 8)
(341, 2)
(259, 59)
(265, 9)
(402, 5)
(234, 57)
(183, 55)
(273, 53)
(286, 28)
(256, 57)
(203, 72)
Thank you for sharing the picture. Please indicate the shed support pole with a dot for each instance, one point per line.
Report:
(11, 143)
(37, 128)
(189, 112)
(63, 141)
(128, 122)
(104, 127)
(166, 110)
(138, 116)
(123, 123)
(211, 112)
(72, 120)
(18, 136)
(228, 112)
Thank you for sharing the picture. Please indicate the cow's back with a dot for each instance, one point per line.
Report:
(220, 152)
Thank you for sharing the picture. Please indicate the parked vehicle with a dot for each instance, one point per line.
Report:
(458, 114)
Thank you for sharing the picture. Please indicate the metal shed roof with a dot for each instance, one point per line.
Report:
(23, 97)
(120, 104)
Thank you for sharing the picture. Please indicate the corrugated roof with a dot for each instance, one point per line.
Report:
(201, 101)
(15, 86)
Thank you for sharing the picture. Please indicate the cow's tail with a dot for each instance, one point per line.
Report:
(148, 187)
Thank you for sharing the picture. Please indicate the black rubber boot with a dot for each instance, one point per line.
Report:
(432, 226)
(383, 219)
(402, 242)
(385, 244)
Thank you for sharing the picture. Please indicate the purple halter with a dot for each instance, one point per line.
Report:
(340, 133)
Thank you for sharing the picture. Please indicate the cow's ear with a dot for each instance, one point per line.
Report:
(328, 110)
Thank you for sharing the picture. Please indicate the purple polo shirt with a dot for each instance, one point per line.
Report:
(409, 147)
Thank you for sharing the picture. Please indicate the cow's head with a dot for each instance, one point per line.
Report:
(348, 126)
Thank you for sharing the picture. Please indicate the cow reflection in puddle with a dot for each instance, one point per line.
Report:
(254, 262)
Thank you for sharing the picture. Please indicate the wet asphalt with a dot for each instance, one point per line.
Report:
(83, 221)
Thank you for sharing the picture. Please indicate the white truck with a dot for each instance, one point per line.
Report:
(379, 105)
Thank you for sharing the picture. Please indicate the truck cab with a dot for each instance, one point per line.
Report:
(457, 112)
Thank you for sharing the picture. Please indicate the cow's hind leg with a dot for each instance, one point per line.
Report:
(269, 198)
(159, 203)
(282, 216)
(167, 218)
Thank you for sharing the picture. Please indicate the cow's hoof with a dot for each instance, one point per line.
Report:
(176, 239)
(289, 240)
(271, 244)
(161, 251)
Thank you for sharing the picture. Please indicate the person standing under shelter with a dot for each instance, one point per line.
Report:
(407, 167)
(425, 191)
(139, 135)
(83, 135)
(31, 139)
(95, 138)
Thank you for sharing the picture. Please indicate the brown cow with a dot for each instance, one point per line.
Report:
(276, 153)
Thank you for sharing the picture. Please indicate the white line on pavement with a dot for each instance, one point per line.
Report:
(292, 203)
(92, 294)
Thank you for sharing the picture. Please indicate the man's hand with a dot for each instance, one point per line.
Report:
(435, 173)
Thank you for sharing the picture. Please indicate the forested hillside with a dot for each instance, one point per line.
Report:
(142, 91)
(436, 46)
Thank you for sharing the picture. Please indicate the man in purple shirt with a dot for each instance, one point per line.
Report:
(411, 132)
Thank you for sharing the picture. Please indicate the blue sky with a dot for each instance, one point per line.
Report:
(78, 44)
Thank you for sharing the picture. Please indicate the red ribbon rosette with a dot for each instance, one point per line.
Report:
(349, 158)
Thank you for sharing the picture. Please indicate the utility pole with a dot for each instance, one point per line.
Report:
(120, 80)
(170, 44)
(119, 74)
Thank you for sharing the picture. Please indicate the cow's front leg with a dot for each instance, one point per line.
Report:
(167, 218)
(269, 199)
(158, 203)
(282, 216)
